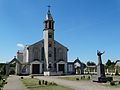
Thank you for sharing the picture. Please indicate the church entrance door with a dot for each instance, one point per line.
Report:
(61, 67)
(35, 68)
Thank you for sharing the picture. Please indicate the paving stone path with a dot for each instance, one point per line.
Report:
(13, 83)
(77, 85)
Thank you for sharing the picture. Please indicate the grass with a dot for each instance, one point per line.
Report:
(1, 84)
(1, 81)
(116, 86)
(112, 86)
(75, 78)
(33, 84)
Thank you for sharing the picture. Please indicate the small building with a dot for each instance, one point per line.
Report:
(91, 69)
(76, 67)
(117, 67)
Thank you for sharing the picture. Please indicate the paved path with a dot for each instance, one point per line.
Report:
(77, 85)
(13, 83)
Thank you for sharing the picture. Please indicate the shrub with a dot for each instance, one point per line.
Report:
(32, 76)
(21, 77)
(81, 77)
(112, 83)
(50, 83)
(119, 82)
(109, 79)
(89, 77)
(0, 77)
(84, 77)
(39, 82)
(1, 84)
(43, 82)
(77, 78)
(46, 82)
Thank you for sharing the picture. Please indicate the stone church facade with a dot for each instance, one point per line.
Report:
(47, 56)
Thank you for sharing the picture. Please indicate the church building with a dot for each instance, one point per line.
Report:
(47, 56)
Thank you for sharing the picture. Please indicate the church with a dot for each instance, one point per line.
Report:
(46, 56)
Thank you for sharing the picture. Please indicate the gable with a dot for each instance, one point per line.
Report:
(59, 44)
(39, 43)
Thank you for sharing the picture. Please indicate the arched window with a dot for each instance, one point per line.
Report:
(60, 53)
(36, 53)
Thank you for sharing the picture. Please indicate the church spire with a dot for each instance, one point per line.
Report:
(48, 22)
(48, 16)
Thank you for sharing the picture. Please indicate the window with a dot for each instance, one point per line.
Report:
(54, 53)
(50, 24)
(54, 65)
(36, 53)
(50, 45)
(42, 53)
(50, 55)
(49, 66)
(50, 36)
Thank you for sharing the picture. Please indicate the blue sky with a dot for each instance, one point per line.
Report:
(84, 26)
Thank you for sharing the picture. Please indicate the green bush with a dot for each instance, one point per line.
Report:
(84, 77)
(43, 82)
(21, 77)
(119, 82)
(50, 83)
(32, 76)
(77, 79)
(1, 83)
(39, 82)
(46, 82)
(112, 83)
(81, 77)
(88, 77)
(0, 77)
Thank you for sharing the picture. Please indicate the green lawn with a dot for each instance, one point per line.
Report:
(112, 86)
(116, 86)
(1, 84)
(33, 84)
(75, 78)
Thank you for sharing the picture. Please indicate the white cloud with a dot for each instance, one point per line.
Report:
(20, 45)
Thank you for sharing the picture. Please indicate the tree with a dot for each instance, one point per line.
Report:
(89, 63)
(110, 64)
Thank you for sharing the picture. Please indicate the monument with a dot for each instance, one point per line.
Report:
(100, 68)
(101, 77)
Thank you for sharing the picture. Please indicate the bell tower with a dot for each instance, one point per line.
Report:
(49, 41)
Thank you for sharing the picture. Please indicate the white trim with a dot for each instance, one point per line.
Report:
(36, 62)
(65, 67)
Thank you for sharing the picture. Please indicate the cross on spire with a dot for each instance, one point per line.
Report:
(49, 7)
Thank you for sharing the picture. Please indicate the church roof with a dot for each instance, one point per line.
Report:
(42, 42)
(77, 60)
(37, 43)
(15, 60)
(61, 44)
